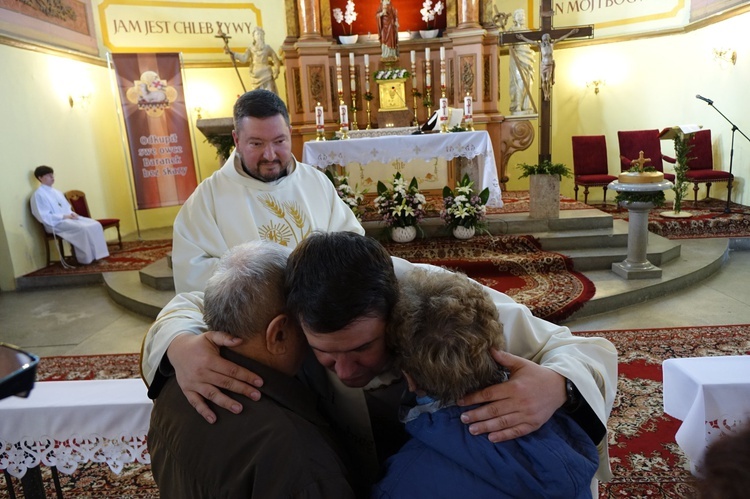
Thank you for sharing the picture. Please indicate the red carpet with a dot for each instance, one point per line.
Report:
(708, 220)
(645, 460)
(134, 256)
(516, 265)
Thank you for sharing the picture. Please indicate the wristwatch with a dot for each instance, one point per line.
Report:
(572, 396)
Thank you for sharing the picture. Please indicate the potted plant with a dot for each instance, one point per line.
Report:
(682, 147)
(544, 187)
(463, 210)
(348, 17)
(428, 16)
(353, 197)
(402, 207)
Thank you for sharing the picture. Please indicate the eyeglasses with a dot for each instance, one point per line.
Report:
(17, 371)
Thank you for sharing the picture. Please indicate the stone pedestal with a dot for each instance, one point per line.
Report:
(636, 265)
(544, 196)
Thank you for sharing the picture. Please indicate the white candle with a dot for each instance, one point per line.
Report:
(344, 114)
(443, 109)
(351, 58)
(427, 53)
(413, 56)
(467, 106)
(367, 60)
(319, 118)
(442, 53)
(338, 59)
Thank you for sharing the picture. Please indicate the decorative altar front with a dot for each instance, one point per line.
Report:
(374, 158)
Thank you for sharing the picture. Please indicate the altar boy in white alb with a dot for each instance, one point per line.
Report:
(49, 206)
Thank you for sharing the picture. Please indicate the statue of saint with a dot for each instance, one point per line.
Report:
(264, 63)
(388, 30)
(521, 69)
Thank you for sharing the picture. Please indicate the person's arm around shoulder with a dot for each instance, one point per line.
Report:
(178, 343)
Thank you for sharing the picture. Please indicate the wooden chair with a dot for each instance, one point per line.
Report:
(632, 142)
(50, 237)
(701, 165)
(590, 168)
(77, 200)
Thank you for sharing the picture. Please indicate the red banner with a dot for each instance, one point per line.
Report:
(158, 129)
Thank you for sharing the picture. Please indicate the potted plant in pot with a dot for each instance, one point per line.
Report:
(463, 210)
(348, 17)
(544, 187)
(428, 16)
(402, 207)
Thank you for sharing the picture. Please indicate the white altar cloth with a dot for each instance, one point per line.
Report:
(711, 395)
(448, 146)
(68, 423)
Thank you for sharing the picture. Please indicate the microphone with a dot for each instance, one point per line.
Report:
(710, 102)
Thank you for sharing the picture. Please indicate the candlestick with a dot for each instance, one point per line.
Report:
(367, 91)
(428, 75)
(319, 122)
(339, 81)
(354, 110)
(414, 87)
(468, 112)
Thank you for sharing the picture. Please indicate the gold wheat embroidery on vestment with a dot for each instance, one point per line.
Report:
(292, 217)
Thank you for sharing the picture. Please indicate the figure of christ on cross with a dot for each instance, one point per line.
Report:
(545, 38)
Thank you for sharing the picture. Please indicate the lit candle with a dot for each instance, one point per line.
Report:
(467, 106)
(413, 56)
(344, 114)
(443, 109)
(319, 118)
(442, 53)
(338, 59)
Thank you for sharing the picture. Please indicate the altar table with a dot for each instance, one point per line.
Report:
(64, 424)
(386, 149)
(711, 395)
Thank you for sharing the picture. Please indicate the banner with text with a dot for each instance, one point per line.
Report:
(158, 129)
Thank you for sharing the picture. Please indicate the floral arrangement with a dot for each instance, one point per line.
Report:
(682, 147)
(353, 197)
(402, 205)
(463, 207)
(391, 74)
(429, 14)
(348, 16)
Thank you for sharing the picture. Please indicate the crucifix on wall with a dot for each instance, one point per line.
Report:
(545, 38)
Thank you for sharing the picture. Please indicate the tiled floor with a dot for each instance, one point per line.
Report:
(84, 320)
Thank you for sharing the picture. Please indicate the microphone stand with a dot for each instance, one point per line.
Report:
(731, 153)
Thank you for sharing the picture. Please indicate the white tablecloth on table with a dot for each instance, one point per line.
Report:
(67, 423)
(711, 395)
(471, 145)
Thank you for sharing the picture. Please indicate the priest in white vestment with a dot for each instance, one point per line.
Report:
(49, 206)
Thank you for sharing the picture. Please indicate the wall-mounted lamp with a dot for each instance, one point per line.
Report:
(726, 55)
(83, 100)
(596, 84)
(198, 110)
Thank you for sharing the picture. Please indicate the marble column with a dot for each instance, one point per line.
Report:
(468, 14)
(309, 18)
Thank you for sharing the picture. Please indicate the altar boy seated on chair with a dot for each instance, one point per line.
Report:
(49, 206)
(442, 332)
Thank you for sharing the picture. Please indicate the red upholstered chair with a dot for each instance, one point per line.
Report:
(590, 168)
(50, 237)
(77, 200)
(634, 141)
(701, 165)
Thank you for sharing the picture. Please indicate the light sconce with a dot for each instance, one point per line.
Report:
(725, 56)
(198, 110)
(596, 84)
(83, 100)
